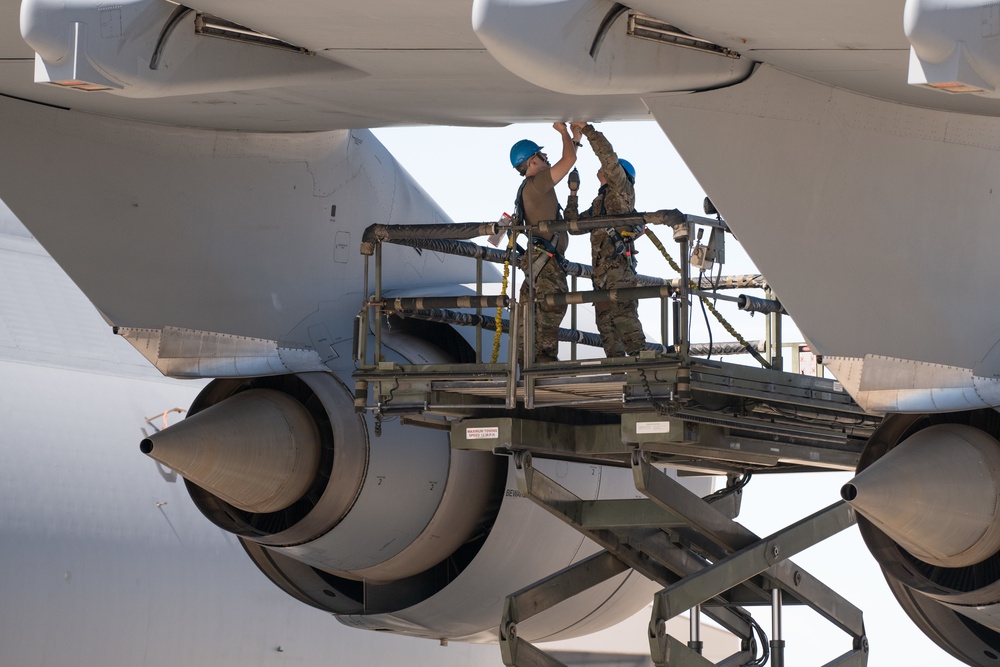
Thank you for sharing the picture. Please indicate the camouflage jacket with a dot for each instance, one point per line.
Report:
(618, 196)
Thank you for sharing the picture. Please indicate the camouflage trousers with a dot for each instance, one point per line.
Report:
(617, 321)
(551, 280)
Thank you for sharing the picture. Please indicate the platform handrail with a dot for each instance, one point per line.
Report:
(452, 238)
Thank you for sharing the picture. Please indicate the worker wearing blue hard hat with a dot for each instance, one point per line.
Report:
(629, 169)
(536, 202)
(522, 150)
(613, 248)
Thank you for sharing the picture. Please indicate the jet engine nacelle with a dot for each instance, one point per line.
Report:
(149, 49)
(594, 55)
(395, 531)
(928, 497)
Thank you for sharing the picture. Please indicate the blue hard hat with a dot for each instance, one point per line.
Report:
(522, 150)
(629, 169)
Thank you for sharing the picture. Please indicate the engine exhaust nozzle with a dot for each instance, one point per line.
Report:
(258, 450)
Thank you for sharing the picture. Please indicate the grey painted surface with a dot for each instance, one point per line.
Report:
(105, 559)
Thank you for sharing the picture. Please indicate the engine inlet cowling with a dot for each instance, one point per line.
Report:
(344, 521)
(398, 533)
(376, 510)
(927, 497)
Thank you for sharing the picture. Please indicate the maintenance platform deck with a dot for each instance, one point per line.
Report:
(702, 415)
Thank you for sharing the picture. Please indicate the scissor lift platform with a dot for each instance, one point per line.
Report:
(648, 412)
(660, 409)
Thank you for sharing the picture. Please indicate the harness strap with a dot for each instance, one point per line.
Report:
(550, 248)
(547, 246)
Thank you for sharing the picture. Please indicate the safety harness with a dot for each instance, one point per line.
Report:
(624, 241)
(549, 248)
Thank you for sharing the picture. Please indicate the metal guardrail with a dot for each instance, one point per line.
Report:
(712, 399)
(452, 238)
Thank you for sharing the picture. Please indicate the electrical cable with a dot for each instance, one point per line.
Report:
(765, 653)
(757, 661)
(725, 323)
(729, 489)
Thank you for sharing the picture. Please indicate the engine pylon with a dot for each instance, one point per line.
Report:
(258, 450)
(936, 494)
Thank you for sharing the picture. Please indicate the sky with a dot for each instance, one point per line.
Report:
(467, 171)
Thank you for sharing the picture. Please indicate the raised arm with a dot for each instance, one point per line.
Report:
(613, 171)
(568, 159)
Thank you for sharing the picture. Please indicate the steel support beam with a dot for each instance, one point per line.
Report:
(655, 557)
(858, 657)
(731, 536)
(753, 556)
(545, 594)
(543, 438)
(654, 544)
(673, 652)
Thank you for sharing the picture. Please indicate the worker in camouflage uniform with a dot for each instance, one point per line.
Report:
(537, 201)
(612, 249)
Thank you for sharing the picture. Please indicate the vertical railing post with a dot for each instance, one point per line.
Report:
(365, 321)
(515, 318)
(675, 306)
(528, 308)
(479, 311)
(682, 233)
(664, 321)
(378, 303)
(512, 341)
(572, 321)
(528, 314)
(774, 343)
